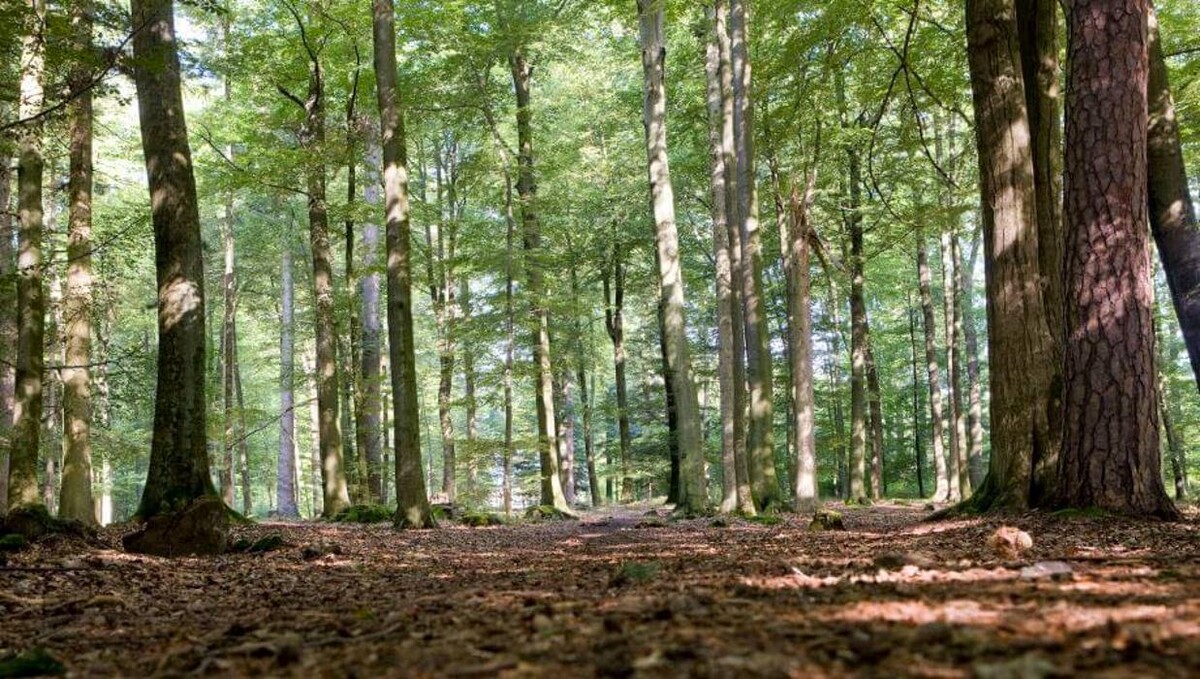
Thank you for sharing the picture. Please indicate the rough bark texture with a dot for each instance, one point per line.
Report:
(1024, 355)
(27, 407)
(285, 476)
(179, 473)
(760, 442)
(1110, 454)
(1037, 34)
(76, 502)
(693, 497)
(531, 232)
(412, 504)
(1172, 215)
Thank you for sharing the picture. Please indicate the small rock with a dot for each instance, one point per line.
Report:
(1008, 542)
(1047, 569)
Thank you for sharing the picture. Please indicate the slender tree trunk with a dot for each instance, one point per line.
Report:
(566, 435)
(859, 424)
(833, 304)
(716, 70)
(1172, 215)
(228, 345)
(614, 295)
(551, 484)
(27, 408)
(966, 287)
(510, 341)
(77, 500)
(955, 421)
(875, 412)
(52, 420)
(179, 469)
(800, 344)
(470, 399)
(285, 476)
(368, 414)
(314, 430)
(672, 413)
(918, 447)
(1110, 455)
(8, 321)
(589, 444)
(941, 472)
(760, 442)
(1173, 450)
(243, 446)
(413, 509)
(1024, 353)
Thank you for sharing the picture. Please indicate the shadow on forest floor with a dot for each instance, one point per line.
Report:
(619, 594)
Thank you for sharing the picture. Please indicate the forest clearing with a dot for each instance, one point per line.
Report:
(599, 337)
(627, 592)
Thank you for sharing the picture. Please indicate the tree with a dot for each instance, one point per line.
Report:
(1110, 455)
(76, 502)
(179, 474)
(693, 497)
(800, 350)
(412, 505)
(286, 483)
(1024, 354)
(27, 408)
(1172, 215)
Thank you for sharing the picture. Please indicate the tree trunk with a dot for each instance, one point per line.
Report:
(510, 340)
(760, 446)
(412, 505)
(974, 390)
(8, 322)
(551, 483)
(1023, 353)
(27, 408)
(566, 435)
(958, 444)
(717, 74)
(1173, 449)
(77, 500)
(859, 425)
(614, 295)
(179, 470)
(941, 492)
(589, 444)
(243, 446)
(672, 414)
(369, 413)
(800, 344)
(470, 399)
(875, 411)
(1110, 455)
(1172, 215)
(918, 447)
(285, 476)
(228, 346)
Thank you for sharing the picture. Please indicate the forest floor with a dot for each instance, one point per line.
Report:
(623, 593)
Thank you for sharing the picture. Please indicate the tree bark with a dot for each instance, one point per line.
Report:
(800, 344)
(966, 287)
(875, 411)
(8, 321)
(941, 471)
(918, 447)
(369, 414)
(412, 505)
(1172, 215)
(27, 407)
(77, 500)
(1110, 455)
(179, 471)
(551, 483)
(760, 442)
(614, 318)
(285, 476)
(954, 414)
(1024, 354)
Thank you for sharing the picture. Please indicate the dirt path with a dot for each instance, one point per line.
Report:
(621, 593)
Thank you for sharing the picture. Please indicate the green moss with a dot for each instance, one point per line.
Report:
(32, 663)
(13, 543)
(481, 519)
(635, 572)
(365, 514)
(765, 519)
(548, 513)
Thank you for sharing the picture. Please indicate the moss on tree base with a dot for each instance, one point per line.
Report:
(199, 529)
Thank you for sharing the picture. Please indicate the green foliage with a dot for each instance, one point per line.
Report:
(13, 542)
(481, 519)
(635, 573)
(365, 514)
(36, 662)
(548, 513)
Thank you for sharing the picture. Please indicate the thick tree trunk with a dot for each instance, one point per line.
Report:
(941, 492)
(179, 470)
(1024, 355)
(77, 500)
(412, 504)
(1110, 455)
(551, 484)
(760, 442)
(1172, 215)
(614, 295)
(27, 407)
(285, 476)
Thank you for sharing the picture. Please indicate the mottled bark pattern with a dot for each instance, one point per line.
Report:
(1110, 455)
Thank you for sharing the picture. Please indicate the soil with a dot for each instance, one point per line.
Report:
(621, 593)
